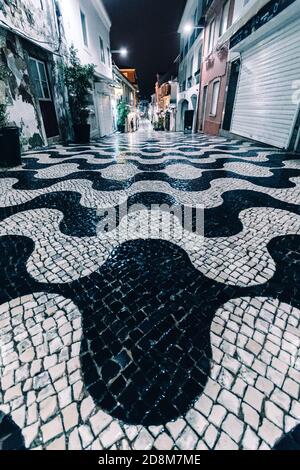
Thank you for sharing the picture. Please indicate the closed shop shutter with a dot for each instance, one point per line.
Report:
(264, 108)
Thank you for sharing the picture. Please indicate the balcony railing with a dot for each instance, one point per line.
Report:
(182, 87)
(197, 77)
(190, 82)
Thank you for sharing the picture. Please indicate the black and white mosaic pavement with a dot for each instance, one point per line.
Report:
(175, 339)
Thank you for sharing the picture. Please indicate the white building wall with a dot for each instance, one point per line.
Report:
(98, 25)
(31, 18)
(37, 22)
(241, 7)
(190, 94)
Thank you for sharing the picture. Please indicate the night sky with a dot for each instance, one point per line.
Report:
(148, 28)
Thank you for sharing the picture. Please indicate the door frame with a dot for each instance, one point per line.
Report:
(50, 99)
(229, 76)
(203, 107)
(294, 139)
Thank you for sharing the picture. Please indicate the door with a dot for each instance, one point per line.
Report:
(203, 107)
(264, 109)
(105, 115)
(188, 121)
(232, 86)
(184, 108)
(40, 80)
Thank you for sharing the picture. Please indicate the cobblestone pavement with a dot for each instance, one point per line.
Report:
(116, 337)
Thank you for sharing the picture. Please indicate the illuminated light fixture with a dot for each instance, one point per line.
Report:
(123, 52)
(189, 27)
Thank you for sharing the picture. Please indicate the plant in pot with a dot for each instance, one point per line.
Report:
(9, 135)
(78, 79)
(159, 125)
(123, 111)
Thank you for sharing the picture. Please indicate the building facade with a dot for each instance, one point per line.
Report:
(218, 18)
(87, 27)
(189, 67)
(31, 57)
(266, 98)
(124, 91)
(166, 90)
(250, 71)
(132, 77)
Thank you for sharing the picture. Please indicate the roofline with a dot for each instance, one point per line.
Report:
(99, 5)
(185, 13)
(116, 69)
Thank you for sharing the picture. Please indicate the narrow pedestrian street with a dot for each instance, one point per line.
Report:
(132, 334)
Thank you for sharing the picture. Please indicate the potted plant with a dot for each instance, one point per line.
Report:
(9, 135)
(123, 111)
(159, 125)
(78, 79)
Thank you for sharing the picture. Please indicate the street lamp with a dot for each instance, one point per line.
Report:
(123, 52)
(189, 27)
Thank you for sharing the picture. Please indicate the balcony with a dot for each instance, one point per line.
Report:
(197, 77)
(190, 82)
(182, 87)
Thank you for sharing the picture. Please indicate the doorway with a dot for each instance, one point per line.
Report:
(184, 107)
(295, 138)
(40, 80)
(203, 108)
(232, 86)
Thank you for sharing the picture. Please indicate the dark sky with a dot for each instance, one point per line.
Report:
(148, 28)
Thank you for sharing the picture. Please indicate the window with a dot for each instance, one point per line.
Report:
(108, 57)
(40, 80)
(42, 4)
(84, 28)
(224, 18)
(102, 55)
(211, 36)
(215, 97)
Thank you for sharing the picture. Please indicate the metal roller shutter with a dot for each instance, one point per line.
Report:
(264, 108)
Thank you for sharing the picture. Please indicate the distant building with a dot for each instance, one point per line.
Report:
(189, 61)
(32, 47)
(166, 89)
(131, 75)
(124, 91)
(87, 27)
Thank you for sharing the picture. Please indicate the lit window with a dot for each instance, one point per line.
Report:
(84, 28)
(215, 97)
(211, 35)
(102, 55)
(224, 18)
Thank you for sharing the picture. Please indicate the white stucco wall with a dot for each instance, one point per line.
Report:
(98, 24)
(30, 19)
(241, 8)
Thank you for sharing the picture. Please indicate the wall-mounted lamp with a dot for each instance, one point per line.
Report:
(189, 27)
(123, 52)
